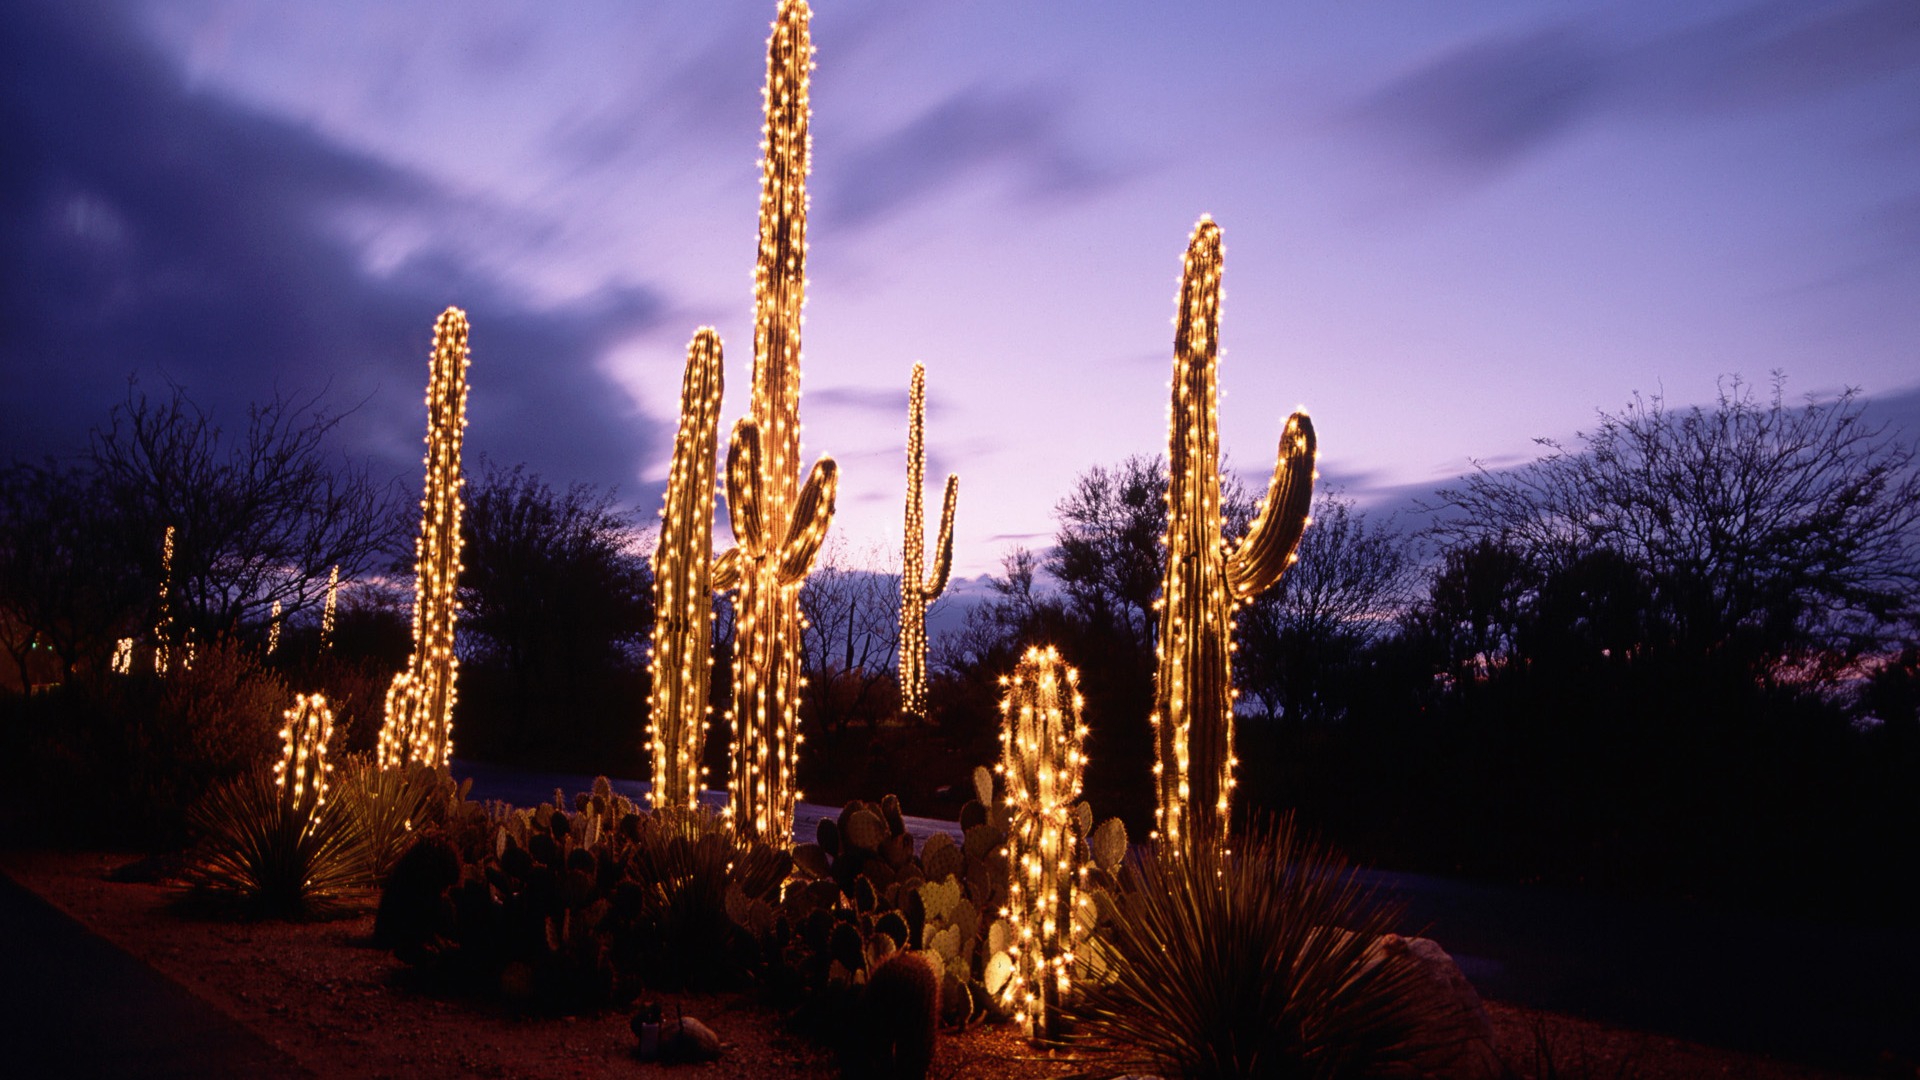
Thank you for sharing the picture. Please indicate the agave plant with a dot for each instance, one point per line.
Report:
(267, 857)
(1262, 963)
(392, 806)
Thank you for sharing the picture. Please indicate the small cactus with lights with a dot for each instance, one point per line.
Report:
(1204, 582)
(917, 591)
(1051, 842)
(778, 522)
(682, 665)
(301, 773)
(419, 719)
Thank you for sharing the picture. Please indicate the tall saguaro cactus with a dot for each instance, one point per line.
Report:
(916, 592)
(1204, 583)
(778, 523)
(419, 721)
(683, 586)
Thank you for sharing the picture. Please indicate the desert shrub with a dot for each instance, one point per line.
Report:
(262, 854)
(1258, 963)
(682, 867)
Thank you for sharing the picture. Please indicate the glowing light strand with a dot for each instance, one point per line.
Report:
(419, 718)
(916, 592)
(778, 523)
(682, 664)
(1203, 583)
(163, 627)
(1042, 741)
(301, 773)
(327, 612)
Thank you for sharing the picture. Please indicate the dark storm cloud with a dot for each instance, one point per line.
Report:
(1486, 104)
(1017, 132)
(154, 228)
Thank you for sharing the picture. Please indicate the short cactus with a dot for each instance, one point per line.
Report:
(1042, 760)
(682, 667)
(419, 720)
(1204, 583)
(301, 773)
(778, 522)
(916, 591)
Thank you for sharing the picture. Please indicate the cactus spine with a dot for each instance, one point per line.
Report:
(419, 720)
(1204, 583)
(916, 592)
(682, 667)
(778, 523)
(1041, 737)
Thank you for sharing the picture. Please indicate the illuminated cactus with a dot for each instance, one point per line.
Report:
(332, 605)
(301, 773)
(1204, 583)
(682, 666)
(778, 523)
(1041, 739)
(419, 720)
(917, 592)
(163, 629)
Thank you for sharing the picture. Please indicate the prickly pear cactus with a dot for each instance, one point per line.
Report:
(1204, 583)
(682, 666)
(918, 586)
(778, 522)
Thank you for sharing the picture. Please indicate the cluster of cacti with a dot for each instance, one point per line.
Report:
(778, 523)
(1204, 583)
(862, 893)
(419, 719)
(1050, 909)
(301, 773)
(916, 592)
(682, 665)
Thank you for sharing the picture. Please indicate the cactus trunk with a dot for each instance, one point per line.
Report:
(419, 721)
(682, 668)
(1203, 583)
(1041, 737)
(918, 591)
(779, 523)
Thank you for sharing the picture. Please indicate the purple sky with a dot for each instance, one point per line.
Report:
(1450, 227)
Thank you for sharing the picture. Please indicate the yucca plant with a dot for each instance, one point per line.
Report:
(262, 857)
(685, 863)
(1262, 963)
(391, 806)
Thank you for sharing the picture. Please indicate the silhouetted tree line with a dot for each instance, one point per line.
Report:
(1677, 657)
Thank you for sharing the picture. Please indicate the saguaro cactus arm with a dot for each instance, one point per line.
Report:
(936, 582)
(1267, 549)
(812, 517)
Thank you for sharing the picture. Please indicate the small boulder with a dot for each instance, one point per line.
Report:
(688, 1040)
(1460, 1035)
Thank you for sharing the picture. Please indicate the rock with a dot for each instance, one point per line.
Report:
(688, 1040)
(1461, 1033)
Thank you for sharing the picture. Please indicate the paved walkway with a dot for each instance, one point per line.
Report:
(72, 1005)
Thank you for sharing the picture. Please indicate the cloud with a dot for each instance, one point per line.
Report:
(152, 227)
(1016, 132)
(860, 398)
(1488, 104)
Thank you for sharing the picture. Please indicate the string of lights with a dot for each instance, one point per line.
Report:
(916, 592)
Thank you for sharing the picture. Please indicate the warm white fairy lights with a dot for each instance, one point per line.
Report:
(301, 773)
(163, 628)
(1042, 743)
(273, 629)
(682, 664)
(327, 611)
(419, 719)
(778, 522)
(122, 662)
(1204, 583)
(916, 592)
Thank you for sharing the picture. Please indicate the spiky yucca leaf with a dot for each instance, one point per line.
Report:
(391, 805)
(687, 860)
(263, 858)
(1258, 963)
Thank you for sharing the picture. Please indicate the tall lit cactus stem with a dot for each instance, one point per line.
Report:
(301, 773)
(419, 722)
(1204, 583)
(778, 522)
(332, 605)
(1041, 737)
(916, 591)
(163, 628)
(683, 586)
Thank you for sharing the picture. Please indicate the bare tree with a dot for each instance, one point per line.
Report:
(852, 639)
(260, 517)
(1779, 541)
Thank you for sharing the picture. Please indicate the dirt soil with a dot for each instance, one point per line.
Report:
(324, 996)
